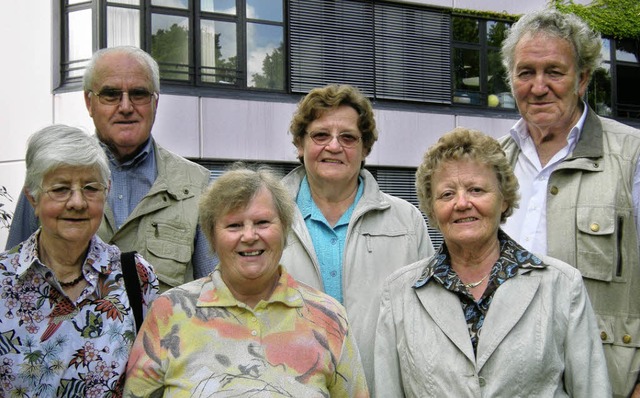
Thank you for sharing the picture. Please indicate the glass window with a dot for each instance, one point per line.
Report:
(79, 43)
(265, 56)
(219, 6)
(219, 52)
(123, 26)
(170, 45)
(180, 4)
(268, 10)
(479, 77)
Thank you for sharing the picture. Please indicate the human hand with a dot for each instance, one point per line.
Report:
(636, 392)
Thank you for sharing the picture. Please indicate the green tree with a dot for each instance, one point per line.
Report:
(169, 48)
(272, 76)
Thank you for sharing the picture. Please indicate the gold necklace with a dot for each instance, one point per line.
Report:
(476, 284)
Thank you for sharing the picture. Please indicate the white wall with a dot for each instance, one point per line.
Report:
(26, 103)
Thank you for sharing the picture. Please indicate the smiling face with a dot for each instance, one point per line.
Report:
(73, 221)
(546, 83)
(249, 244)
(333, 164)
(467, 204)
(123, 127)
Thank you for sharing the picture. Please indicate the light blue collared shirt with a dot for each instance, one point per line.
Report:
(328, 241)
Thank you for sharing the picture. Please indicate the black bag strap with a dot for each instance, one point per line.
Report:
(132, 284)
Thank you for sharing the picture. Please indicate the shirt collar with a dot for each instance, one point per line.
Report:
(309, 209)
(145, 151)
(512, 257)
(215, 292)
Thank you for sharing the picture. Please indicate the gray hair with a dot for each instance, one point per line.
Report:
(141, 56)
(61, 145)
(585, 41)
(234, 190)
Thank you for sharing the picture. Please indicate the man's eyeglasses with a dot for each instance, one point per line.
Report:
(346, 140)
(137, 96)
(62, 193)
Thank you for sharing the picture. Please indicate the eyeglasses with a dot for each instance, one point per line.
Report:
(346, 140)
(62, 193)
(137, 96)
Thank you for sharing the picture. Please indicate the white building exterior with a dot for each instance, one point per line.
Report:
(196, 127)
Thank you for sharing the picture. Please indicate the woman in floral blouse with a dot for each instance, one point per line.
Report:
(247, 329)
(66, 325)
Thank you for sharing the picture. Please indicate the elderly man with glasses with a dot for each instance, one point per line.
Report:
(152, 204)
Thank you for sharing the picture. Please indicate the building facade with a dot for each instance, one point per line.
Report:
(233, 70)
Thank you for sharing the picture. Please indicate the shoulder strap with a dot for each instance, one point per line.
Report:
(132, 284)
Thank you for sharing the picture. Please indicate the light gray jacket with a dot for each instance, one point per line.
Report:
(384, 234)
(539, 339)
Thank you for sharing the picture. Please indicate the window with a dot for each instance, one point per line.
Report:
(612, 91)
(478, 75)
(388, 50)
(230, 43)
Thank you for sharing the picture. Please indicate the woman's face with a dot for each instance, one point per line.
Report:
(76, 219)
(249, 244)
(467, 203)
(332, 163)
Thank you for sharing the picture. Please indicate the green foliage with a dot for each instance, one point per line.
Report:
(614, 18)
(272, 69)
(170, 48)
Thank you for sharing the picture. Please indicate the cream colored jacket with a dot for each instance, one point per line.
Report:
(384, 234)
(539, 339)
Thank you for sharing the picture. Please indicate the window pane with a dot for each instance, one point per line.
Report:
(221, 6)
(599, 91)
(123, 27)
(496, 32)
(606, 50)
(628, 79)
(131, 2)
(170, 45)
(466, 29)
(265, 58)
(499, 94)
(181, 4)
(80, 42)
(466, 76)
(219, 53)
(72, 2)
(269, 10)
(627, 50)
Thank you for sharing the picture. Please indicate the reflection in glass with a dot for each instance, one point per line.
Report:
(181, 4)
(220, 6)
(466, 29)
(265, 58)
(466, 76)
(499, 94)
(496, 33)
(627, 51)
(628, 77)
(219, 53)
(130, 2)
(599, 90)
(605, 51)
(123, 27)
(80, 49)
(170, 45)
(268, 10)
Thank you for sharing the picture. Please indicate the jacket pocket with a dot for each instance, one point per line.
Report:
(170, 248)
(597, 243)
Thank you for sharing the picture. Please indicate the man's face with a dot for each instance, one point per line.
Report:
(546, 83)
(124, 127)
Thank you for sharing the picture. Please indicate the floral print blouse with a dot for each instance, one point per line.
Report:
(53, 347)
(199, 341)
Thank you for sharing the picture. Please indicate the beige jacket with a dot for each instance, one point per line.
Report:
(591, 225)
(162, 227)
(539, 339)
(384, 234)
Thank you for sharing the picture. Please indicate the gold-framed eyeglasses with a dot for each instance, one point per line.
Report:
(346, 140)
(137, 96)
(62, 193)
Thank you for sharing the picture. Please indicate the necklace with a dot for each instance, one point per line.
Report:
(475, 284)
(73, 282)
